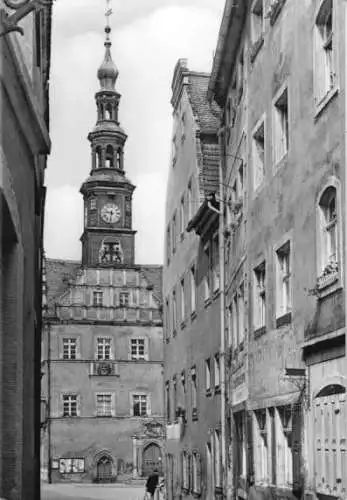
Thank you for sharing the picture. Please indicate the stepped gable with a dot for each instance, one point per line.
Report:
(154, 275)
(59, 274)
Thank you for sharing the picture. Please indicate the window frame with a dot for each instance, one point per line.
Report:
(111, 412)
(97, 346)
(258, 302)
(140, 395)
(69, 358)
(284, 248)
(69, 413)
(280, 130)
(261, 124)
(134, 341)
(96, 302)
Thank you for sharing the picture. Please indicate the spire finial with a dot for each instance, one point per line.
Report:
(108, 13)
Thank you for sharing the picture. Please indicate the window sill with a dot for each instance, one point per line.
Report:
(255, 48)
(208, 392)
(327, 285)
(323, 103)
(258, 332)
(283, 320)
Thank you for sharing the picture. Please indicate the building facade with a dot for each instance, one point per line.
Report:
(103, 343)
(24, 146)
(279, 76)
(191, 291)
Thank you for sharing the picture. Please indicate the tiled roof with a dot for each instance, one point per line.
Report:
(208, 115)
(209, 171)
(58, 275)
(154, 275)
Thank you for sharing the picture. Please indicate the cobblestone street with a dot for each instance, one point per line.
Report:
(91, 492)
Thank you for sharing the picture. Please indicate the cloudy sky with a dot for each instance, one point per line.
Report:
(148, 36)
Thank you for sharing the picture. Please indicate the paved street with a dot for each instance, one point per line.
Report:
(91, 492)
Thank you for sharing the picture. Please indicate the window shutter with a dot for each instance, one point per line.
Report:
(190, 472)
(249, 437)
(182, 470)
(78, 405)
(113, 405)
(198, 473)
(147, 343)
(149, 407)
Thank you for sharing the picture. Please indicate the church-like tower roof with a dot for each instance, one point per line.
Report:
(108, 71)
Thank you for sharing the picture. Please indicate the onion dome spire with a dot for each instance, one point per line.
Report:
(108, 71)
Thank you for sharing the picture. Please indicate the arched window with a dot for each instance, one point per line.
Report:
(104, 469)
(119, 158)
(329, 228)
(109, 157)
(98, 157)
(108, 112)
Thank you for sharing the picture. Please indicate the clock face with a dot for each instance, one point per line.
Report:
(110, 213)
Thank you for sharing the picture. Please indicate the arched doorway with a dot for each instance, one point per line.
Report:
(151, 459)
(104, 469)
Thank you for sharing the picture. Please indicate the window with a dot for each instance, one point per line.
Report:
(174, 396)
(103, 348)
(241, 314)
(196, 473)
(207, 284)
(183, 302)
(241, 442)
(324, 51)
(138, 349)
(168, 244)
(69, 348)
(111, 252)
(71, 465)
(284, 455)
(217, 459)
(167, 319)
(258, 153)
(216, 371)
(174, 311)
(257, 20)
(140, 406)
(38, 38)
(174, 151)
(92, 204)
(174, 233)
(70, 405)
(192, 289)
(259, 309)
(124, 299)
(261, 450)
(329, 434)
(215, 262)
(240, 75)
(98, 299)
(167, 401)
(284, 286)
(193, 381)
(185, 471)
(109, 159)
(329, 229)
(182, 216)
(190, 200)
(104, 406)
(208, 374)
(280, 127)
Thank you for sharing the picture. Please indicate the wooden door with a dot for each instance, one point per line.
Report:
(151, 460)
(104, 470)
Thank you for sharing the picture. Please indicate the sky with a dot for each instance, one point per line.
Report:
(148, 37)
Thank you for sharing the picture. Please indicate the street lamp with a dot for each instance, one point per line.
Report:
(22, 8)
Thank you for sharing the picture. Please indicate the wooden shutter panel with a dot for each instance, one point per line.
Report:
(198, 473)
(249, 438)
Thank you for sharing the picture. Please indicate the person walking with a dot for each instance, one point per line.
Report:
(152, 483)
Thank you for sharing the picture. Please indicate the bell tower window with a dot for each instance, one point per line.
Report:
(108, 112)
(111, 252)
(109, 157)
(98, 155)
(119, 159)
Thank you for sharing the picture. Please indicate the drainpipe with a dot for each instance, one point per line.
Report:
(222, 309)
